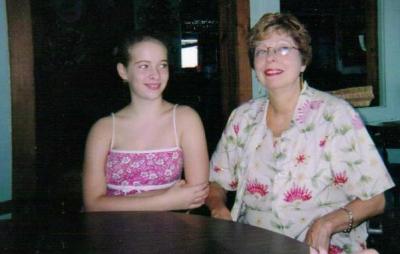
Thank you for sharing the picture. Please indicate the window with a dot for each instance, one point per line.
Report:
(189, 53)
(344, 41)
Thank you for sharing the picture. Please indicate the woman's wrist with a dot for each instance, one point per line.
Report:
(340, 220)
(350, 219)
(334, 222)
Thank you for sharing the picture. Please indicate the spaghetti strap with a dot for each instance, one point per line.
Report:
(174, 122)
(113, 131)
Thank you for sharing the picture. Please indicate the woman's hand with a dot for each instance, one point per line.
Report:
(216, 202)
(221, 213)
(366, 251)
(320, 232)
(319, 235)
(182, 196)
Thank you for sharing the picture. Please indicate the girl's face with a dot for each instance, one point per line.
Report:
(278, 62)
(147, 72)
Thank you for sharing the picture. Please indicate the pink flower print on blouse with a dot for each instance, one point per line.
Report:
(217, 169)
(300, 159)
(233, 184)
(357, 122)
(323, 141)
(333, 249)
(255, 187)
(340, 178)
(297, 193)
(136, 169)
(304, 111)
(236, 128)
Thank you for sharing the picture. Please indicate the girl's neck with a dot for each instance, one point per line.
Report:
(146, 108)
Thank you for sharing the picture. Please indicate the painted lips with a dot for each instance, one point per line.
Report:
(272, 72)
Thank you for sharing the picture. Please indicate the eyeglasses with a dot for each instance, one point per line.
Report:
(279, 51)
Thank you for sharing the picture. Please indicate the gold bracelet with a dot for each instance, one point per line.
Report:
(350, 222)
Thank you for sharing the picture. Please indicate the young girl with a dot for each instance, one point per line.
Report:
(134, 158)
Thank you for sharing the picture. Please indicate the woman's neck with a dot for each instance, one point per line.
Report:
(283, 102)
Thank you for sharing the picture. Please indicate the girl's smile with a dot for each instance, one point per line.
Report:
(153, 86)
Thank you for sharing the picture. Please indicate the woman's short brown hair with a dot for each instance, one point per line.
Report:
(285, 23)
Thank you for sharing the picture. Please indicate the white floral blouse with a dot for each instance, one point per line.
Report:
(322, 162)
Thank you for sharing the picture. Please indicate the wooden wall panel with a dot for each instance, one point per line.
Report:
(371, 21)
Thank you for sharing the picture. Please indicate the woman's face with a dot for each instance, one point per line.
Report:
(147, 72)
(278, 62)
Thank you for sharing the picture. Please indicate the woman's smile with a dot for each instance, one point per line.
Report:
(272, 72)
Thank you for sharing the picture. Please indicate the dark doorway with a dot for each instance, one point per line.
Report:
(76, 82)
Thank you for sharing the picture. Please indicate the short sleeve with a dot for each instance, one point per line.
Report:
(356, 165)
(225, 159)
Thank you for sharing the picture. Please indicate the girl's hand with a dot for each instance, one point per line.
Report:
(182, 196)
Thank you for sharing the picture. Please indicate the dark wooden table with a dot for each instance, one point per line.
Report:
(139, 232)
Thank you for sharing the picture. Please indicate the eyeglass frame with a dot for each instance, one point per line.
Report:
(275, 51)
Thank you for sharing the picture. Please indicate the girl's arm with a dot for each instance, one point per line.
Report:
(194, 146)
(177, 197)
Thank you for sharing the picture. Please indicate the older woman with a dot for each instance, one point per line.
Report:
(300, 160)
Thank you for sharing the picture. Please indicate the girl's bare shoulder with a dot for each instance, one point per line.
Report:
(186, 115)
(102, 126)
(184, 111)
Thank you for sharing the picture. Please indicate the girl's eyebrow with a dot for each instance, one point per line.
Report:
(148, 61)
(141, 61)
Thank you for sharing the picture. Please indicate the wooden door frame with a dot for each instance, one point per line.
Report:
(22, 98)
(234, 66)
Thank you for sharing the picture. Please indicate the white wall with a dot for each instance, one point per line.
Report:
(257, 9)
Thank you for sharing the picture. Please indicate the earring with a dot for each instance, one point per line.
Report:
(301, 80)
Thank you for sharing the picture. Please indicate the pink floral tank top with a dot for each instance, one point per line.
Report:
(130, 172)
